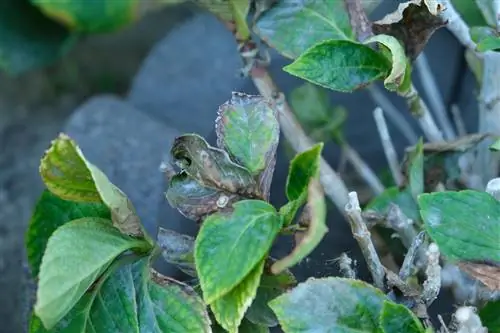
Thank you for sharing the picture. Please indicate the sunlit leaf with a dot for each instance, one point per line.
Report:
(340, 65)
(230, 245)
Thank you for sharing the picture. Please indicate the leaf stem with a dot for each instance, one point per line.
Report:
(389, 150)
(458, 120)
(362, 236)
(435, 99)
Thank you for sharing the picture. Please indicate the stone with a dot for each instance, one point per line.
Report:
(128, 146)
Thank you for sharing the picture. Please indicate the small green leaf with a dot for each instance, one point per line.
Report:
(233, 11)
(230, 245)
(489, 316)
(398, 72)
(230, 308)
(316, 229)
(247, 128)
(489, 44)
(495, 145)
(463, 224)
(403, 199)
(67, 174)
(177, 249)
(416, 174)
(396, 318)
(303, 168)
(194, 200)
(479, 33)
(330, 305)
(77, 254)
(28, 39)
(91, 17)
(51, 212)
(271, 286)
(128, 300)
(340, 65)
(211, 167)
(486, 38)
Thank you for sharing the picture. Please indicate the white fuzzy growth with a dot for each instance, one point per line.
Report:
(493, 188)
(468, 321)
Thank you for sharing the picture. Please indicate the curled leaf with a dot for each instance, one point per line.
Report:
(177, 249)
(211, 167)
(413, 23)
(486, 272)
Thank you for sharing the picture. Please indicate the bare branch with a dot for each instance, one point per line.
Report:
(443, 328)
(405, 271)
(457, 25)
(363, 169)
(389, 151)
(362, 236)
(432, 284)
(358, 19)
(432, 91)
(458, 120)
(345, 266)
(398, 221)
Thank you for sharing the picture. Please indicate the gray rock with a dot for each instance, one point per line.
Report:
(127, 146)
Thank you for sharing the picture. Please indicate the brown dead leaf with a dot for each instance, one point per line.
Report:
(487, 273)
(413, 23)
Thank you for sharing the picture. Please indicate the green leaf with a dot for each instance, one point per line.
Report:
(463, 224)
(128, 300)
(470, 12)
(77, 254)
(67, 174)
(330, 305)
(194, 200)
(91, 17)
(316, 20)
(396, 318)
(486, 38)
(416, 173)
(303, 168)
(211, 167)
(340, 65)
(487, 9)
(234, 11)
(398, 72)
(316, 229)
(249, 327)
(28, 39)
(489, 44)
(495, 145)
(490, 318)
(271, 286)
(403, 199)
(311, 105)
(50, 213)
(177, 249)
(230, 308)
(247, 128)
(230, 245)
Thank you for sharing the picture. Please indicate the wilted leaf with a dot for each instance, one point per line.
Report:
(194, 200)
(247, 128)
(67, 174)
(316, 229)
(50, 213)
(230, 308)
(397, 318)
(230, 11)
(489, 316)
(310, 104)
(271, 286)
(211, 167)
(177, 249)
(126, 299)
(76, 255)
(398, 72)
(463, 224)
(393, 195)
(340, 65)
(330, 305)
(91, 17)
(28, 39)
(413, 23)
(486, 272)
(230, 245)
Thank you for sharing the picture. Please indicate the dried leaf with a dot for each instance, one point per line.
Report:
(487, 273)
(413, 23)
(212, 167)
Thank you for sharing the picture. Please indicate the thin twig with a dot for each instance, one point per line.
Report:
(435, 99)
(398, 221)
(345, 266)
(432, 284)
(458, 120)
(405, 271)
(443, 328)
(389, 151)
(393, 114)
(362, 236)
(363, 169)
